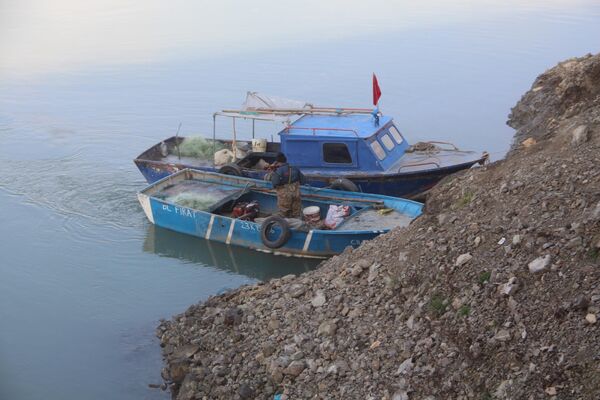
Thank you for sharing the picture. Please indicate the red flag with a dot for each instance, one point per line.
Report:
(376, 91)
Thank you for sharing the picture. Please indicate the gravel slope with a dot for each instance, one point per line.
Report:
(493, 293)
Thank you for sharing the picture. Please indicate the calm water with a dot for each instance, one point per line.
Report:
(86, 86)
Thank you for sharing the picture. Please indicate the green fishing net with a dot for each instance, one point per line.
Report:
(196, 201)
(196, 146)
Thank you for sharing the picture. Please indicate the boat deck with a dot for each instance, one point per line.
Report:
(371, 219)
(423, 160)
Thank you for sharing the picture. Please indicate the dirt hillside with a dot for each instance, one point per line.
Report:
(494, 293)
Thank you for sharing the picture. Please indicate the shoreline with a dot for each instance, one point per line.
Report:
(493, 293)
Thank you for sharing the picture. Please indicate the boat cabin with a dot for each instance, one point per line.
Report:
(343, 142)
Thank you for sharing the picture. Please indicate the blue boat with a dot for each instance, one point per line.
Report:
(204, 204)
(339, 148)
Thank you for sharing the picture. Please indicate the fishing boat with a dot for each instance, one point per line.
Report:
(241, 211)
(349, 149)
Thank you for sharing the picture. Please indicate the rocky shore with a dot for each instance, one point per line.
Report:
(494, 293)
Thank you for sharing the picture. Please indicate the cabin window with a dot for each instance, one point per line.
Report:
(387, 141)
(377, 149)
(336, 153)
(396, 134)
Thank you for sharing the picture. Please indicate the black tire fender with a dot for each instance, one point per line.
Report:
(231, 169)
(343, 184)
(283, 237)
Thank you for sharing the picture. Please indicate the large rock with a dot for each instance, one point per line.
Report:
(579, 135)
(178, 369)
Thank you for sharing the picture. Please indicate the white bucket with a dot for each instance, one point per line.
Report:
(312, 214)
(259, 145)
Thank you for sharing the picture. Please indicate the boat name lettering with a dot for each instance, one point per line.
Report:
(355, 242)
(248, 226)
(186, 212)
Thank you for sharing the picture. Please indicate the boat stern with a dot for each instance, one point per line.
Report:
(144, 200)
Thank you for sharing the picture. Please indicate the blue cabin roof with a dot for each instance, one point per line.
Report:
(361, 125)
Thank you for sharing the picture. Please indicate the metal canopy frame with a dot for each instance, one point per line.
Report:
(278, 115)
(245, 115)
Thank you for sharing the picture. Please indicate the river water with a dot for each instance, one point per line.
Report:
(86, 86)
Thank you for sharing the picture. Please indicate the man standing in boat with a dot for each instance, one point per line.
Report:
(286, 180)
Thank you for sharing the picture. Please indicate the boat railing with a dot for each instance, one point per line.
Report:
(315, 129)
(300, 111)
(446, 143)
(437, 164)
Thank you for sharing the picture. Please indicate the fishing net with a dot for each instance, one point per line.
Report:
(196, 201)
(199, 147)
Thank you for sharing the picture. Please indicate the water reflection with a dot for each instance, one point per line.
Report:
(238, 260)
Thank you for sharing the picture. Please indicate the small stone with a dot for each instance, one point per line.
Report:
(405, 367)
(475, 350)
(356, 270)
(186, 351)
(477, 241)
(591, 318)
(297, 290)
(456, 303)
(268, 349)
(463, 259)
(509, 288)
(595, 213)
(400, 395)
(187, 388)
(273, 324)
(233, 316)
(319, 299)
(327, 328)
(502, 390)
(516, 240)
(528, 142)
(580, 303)
(363, 263)
(442, 218)
(375, 345)
(295, 368)
(410, 322)
(277, 375)
(502, 336)
(332, 370)
(550, 391)
(373, 272)
(402, 256)
(573, 243)
(539, 264)
(245, 391)
(501, 241)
